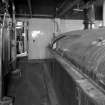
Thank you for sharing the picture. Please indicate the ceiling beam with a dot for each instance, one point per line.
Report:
(30, 7)
(35, 15)
(67, 8)
(61, 6)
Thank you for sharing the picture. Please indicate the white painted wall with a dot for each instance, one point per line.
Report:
(37, 49)
(69, 25)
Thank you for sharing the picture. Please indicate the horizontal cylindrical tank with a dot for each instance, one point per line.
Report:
(86, 50)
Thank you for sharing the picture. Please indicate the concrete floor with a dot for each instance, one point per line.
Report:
(33, 87)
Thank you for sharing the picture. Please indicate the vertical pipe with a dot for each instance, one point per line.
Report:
(103, 12)
(27, 33)
(89, 17)
(1, 85)
(14, 50)
(2, 59)
(86, 20)
(91, 13)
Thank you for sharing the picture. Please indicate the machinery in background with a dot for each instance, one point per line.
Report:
(21, 37)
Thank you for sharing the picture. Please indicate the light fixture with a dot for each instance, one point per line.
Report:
(35, 34)
(18, 27)
(19, 23)
(78, 8)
